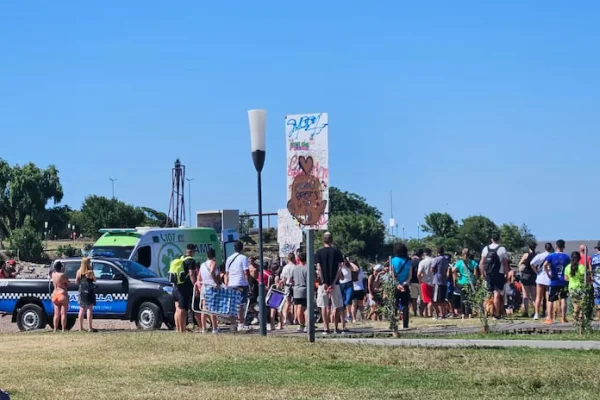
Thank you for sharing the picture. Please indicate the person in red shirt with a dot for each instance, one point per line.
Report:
(583, 252)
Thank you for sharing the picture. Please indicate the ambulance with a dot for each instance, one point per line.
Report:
(155, 248)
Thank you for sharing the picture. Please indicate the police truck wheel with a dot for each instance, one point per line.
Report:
(149, 317)
(31, 317)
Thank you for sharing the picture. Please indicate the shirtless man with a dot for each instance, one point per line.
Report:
(60, 296)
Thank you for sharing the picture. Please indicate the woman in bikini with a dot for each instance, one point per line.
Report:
(60, 296)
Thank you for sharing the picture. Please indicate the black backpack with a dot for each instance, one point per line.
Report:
(492, 261)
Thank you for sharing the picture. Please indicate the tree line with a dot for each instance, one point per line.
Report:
(30, 197)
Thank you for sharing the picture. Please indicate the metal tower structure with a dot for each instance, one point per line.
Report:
(176, 215)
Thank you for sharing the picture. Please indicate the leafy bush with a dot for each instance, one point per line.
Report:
(27, 242)
(269, 235)
(475, 297)
(389, 307)
(584, 301)
(66, 251)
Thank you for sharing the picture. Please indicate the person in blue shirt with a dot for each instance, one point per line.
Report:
(555, 265)
(402, 273)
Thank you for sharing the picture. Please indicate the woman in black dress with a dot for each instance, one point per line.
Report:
(87, 294)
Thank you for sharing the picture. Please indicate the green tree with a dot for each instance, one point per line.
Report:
(356, 226)
(100, 212)
(475, 232)
(155, 218)
(58, 219)
(246, 223)
(440, 225)
(25, 191)
(515, 238)
(27, 241)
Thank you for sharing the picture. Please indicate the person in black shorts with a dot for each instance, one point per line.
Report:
(299, 279)
(184, 292)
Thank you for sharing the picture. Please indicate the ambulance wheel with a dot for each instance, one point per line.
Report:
(149, 317)
(30, 317)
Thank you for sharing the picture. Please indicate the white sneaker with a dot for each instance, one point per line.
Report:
(216, 331)
(536, 317)
(240, 327)
(269, 328)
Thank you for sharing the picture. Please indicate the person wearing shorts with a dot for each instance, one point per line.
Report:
(415, 286)
(498, 267)
(528, 277)
(425, 275)
(595, 266)
(358, 296)
(329, 261)
(439, 267)
(236, 277)
(299, 278)
(347, 287)
(555, 266)
(542, 281)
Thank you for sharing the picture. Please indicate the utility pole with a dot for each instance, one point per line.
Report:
(190, 197)
(113, 186)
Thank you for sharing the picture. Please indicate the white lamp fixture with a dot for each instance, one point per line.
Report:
(258, 129)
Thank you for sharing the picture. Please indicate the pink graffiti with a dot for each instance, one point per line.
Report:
(318, 171)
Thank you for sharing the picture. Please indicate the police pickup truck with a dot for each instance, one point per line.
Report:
(125, 290)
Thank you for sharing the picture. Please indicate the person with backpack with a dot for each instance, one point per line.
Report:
(494, 268)
(182, 273)
(86, 279)
(528, 277)
(555, 266)
(401, 274)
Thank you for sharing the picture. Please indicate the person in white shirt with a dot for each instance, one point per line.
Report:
(208, 277)
(236, 277)
(542, 281)
(285, 283)
(425, 274)
(358, 296)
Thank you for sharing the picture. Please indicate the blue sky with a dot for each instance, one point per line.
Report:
(466, 107)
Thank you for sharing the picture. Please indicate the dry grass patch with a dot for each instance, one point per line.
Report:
(166, 365)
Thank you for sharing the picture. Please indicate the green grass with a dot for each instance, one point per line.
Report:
(167, 365)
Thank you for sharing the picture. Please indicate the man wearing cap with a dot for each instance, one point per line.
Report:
(11, 269)
(595, 265)
(329, 262)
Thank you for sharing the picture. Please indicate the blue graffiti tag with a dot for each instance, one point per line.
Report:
(306, 123)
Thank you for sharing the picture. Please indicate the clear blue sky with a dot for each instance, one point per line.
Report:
(465, 107)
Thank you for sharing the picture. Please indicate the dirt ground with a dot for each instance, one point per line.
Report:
(6, 326)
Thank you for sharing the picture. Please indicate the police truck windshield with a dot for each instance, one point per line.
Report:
(135, 270)
(123, 252)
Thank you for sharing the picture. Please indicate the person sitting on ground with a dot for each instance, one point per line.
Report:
(11, 270)
(299, 280)
(60, 296)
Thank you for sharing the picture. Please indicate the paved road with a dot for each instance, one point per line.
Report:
(542, 344)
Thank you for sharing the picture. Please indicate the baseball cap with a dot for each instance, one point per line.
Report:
(378, 267)
(11, 262)
(598, 245)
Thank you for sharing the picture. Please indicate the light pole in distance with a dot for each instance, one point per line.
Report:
(190, 196)
(113, 185)
(258, 131)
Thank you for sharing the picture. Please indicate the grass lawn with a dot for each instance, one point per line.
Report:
(170, 366)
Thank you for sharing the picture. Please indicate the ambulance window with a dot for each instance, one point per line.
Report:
(144, 256)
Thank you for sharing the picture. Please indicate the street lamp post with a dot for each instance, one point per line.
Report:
(46, 233)
(190, 196)
(258, 130)
(113, 185)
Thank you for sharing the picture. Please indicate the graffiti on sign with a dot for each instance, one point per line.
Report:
(289, 234)
(308, 169)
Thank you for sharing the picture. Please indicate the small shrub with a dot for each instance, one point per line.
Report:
(66, 251)
(27, 242)
(475, 296)
(389, 307)
(584, 299)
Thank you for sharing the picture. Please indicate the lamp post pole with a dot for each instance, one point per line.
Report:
(113, 186)
(190, 197)
(258, 128)
(46, 233)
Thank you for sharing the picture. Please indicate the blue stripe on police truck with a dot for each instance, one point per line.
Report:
(110, 303)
